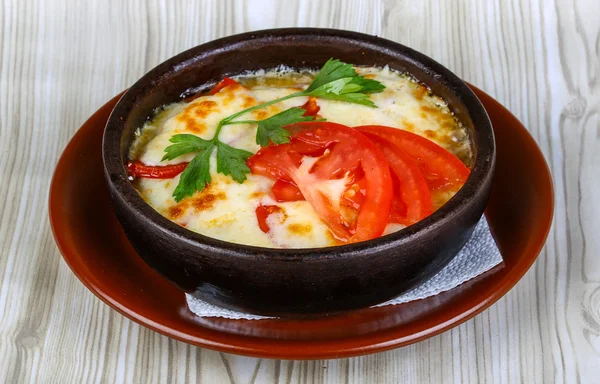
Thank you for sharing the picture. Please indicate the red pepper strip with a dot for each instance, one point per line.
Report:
(262, 212)
(138, 169)
(222, 84)
(311, 107)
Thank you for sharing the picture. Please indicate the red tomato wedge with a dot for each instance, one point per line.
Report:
(412, 200)
(353, 197)
(441, 169)
(222, 84)
(263, 212)
(334, 153)
(286, 191)
(311, 107)
(138, 169)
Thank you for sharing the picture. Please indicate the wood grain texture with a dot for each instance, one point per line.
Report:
(61, 60)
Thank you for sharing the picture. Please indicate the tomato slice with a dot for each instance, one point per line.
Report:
(138, 169)
(286, 191)
(412, 200)
(222, 84)
(442, 170)
(311, 107)
(319, 158)
(354, 196)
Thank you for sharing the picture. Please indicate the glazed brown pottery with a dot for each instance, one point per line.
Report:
(288, 282)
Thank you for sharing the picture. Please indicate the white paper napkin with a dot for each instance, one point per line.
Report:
(480, 254)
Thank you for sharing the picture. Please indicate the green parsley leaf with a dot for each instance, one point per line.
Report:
(339, 81)
(196, 175)
(368, 85)
(343, 90)
(272, 128)
(332, 70)
(232, 161)
(184, 143)
(338, 87)
(355, 98)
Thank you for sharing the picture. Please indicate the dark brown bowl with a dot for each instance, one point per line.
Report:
(294, 281)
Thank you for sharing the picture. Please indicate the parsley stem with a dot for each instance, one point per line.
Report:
(219, 127)
(241, 122)
(228, 120)
(259, 106)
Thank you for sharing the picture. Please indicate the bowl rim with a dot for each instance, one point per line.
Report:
(481, 172)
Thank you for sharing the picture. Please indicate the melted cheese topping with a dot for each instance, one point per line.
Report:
(226, 209)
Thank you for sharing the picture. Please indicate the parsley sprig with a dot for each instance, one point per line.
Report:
(335, 81)
(196, 176)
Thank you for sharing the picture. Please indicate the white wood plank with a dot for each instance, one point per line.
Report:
(61, 60)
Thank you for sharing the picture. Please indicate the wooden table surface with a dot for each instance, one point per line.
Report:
(61, 60)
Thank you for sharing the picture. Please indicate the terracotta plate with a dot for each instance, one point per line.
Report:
(93, 244)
